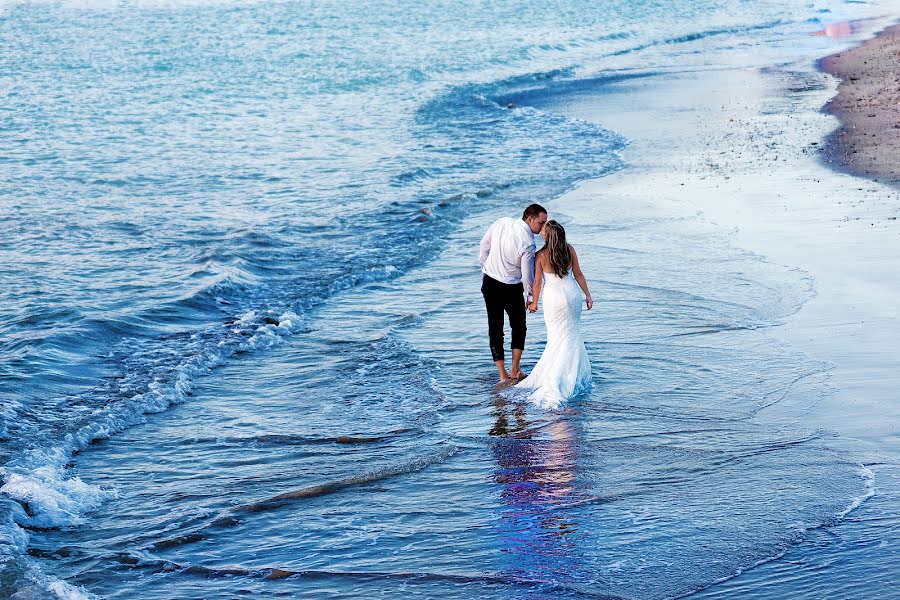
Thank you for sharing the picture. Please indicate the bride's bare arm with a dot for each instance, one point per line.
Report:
(538, 281)
(579, 277)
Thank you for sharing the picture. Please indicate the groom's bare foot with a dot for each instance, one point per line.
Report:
(501, 370)
(520, 374)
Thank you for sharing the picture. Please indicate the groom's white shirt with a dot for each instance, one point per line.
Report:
(507, 252)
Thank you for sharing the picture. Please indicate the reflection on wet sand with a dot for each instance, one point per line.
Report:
(838, 30)
(535, 471)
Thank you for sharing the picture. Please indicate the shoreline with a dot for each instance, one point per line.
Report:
(868, 106)
(744, 155)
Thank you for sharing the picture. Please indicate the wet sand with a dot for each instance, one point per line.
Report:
(868, 106)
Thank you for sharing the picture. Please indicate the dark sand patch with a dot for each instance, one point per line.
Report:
(868, 106)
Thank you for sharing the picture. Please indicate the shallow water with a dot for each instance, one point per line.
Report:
(659, 484)
(242, 334)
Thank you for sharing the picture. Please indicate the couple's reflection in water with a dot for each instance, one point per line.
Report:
(535, 470)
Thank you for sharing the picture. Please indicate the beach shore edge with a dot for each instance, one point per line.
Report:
(868, 107)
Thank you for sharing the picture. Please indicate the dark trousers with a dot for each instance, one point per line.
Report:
(499, 298)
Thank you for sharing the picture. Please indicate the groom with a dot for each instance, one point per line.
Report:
(507, 261)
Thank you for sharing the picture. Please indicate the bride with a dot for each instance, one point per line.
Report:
(563, 370)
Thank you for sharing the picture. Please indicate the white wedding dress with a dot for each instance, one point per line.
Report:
(564, 370)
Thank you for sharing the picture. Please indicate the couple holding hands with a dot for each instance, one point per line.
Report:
(514, 276)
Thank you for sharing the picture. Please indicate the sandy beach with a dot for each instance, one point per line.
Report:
(868, 106)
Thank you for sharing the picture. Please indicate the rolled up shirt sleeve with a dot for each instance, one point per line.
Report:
(527, 266)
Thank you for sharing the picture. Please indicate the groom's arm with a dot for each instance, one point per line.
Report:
(485, 247)
(527, 266)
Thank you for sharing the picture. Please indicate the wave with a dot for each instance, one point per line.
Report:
(869, 490)
(301, 440)
(407, 578)
(329, 487)
(699, 35)
(38, 478)
(232, 517)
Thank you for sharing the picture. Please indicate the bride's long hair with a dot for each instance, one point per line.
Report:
(557, 248)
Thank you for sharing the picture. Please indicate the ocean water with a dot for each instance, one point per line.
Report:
(242, 347)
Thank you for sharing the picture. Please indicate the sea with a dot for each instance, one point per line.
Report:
(243, 350)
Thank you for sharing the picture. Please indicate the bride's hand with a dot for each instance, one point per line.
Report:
(532, 306)
(589, 302)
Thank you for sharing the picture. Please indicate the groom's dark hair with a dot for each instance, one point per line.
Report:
(533, 210)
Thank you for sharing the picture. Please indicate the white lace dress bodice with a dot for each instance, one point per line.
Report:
(564, 370)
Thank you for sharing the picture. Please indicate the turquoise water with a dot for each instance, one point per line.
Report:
(242, 340)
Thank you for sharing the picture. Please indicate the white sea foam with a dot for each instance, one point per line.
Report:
(39, 480)
(13, 540)
(371, 275)
(65, 591)
(52, 499)
(35, 584)
(868, 478)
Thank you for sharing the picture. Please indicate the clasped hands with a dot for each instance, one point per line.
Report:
(533, 305)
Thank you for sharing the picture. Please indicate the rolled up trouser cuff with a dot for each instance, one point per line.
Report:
(502, 298)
